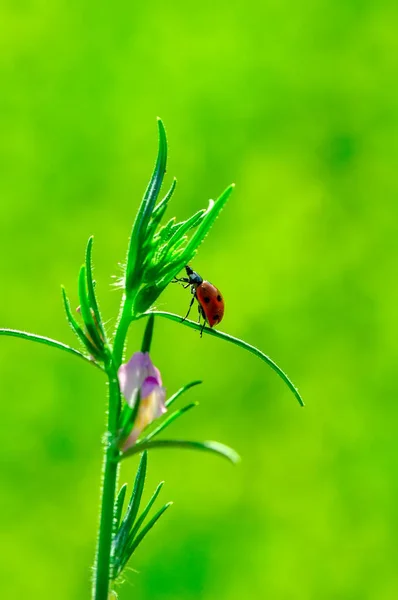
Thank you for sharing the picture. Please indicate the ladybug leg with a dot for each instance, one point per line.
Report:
(201, 314)
(182, 281)
(203, 326)
(189, 309)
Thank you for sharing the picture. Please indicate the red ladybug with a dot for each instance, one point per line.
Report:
(210, 301)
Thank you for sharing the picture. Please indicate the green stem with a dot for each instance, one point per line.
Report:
(124, 321)
(111, 463)
(110, 470)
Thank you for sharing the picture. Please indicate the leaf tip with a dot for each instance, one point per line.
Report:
(160, 125)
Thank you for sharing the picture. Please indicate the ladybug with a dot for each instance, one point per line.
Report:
(210, 301)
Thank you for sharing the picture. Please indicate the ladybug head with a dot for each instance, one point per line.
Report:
(194, 278)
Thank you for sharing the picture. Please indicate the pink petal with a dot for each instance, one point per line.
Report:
(151, 407)
(154, 372)
(158, 402)
(132, 375)
(148, 386)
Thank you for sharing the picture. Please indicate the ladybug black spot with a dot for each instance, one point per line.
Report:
(219, 298)
(206, 299)
(216, 317)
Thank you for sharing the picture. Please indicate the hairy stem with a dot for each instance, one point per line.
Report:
(110, 465)
(110, 471)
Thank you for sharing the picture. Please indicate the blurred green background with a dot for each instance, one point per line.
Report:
(297, 104)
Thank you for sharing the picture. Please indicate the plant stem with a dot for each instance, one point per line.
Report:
(124, 320)
(110, 465)
(110, 470)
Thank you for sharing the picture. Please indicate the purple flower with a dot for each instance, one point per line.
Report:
(140, 376)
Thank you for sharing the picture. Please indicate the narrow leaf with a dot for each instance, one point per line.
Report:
(207, 446)
(167, 231)
(86, 313)
(178, 261)
(181, 391)
(41, 339)
(207, 221)
(144, 513)
(90, 287)
(142, 534)
(160, 209)
(156, 181)
(157, 215)
(184, 228)
(175, 415)
(237, 342)
(141, 222)
(117, 511)
(76, 327)
(133, 506)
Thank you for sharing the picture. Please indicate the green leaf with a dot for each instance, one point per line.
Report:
(179, 233)
(159, 272)
(145, 298)
(175, 415)
(178, 246)
(144, 513)
(165, 232)
(181, 391)
(207, 446)
(117, 511)
(129, 551)
(156, 181)
(147, 339)
(41, 339)
(132, 508)
(138, 235)
(76, 327)
(87, 315)
(90, 287)
(233, 340)
(160, 209)
(207, 221)
(178, 259)
(158, 246)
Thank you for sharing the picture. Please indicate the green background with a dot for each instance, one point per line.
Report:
(297, 104)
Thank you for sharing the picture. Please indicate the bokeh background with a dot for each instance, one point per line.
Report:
(297, 104)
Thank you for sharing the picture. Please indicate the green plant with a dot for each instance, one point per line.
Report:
(136, 397)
